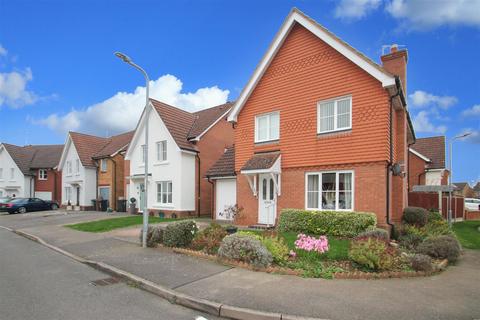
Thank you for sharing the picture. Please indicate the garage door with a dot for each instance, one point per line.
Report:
(44, 195)
(226, 195)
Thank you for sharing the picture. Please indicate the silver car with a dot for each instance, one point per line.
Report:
(472, 204)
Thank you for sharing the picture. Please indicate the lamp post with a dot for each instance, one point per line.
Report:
(126, 59)
(451, 175)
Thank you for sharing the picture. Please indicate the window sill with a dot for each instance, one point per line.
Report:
(334, 133)
(141, 166)
(341, 210)
(163, 206)
(262, 143)
(162, 163)
(39, 180)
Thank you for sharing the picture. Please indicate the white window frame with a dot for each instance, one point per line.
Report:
(143, 149)
(77, 166)
(1, 173)
(103, 165)
(337, 191)
(68, 194)
(12, 174)
(69, 168)
(160, 194)
(42, 174)
(335, 115)
(268, 115)
(162, 154)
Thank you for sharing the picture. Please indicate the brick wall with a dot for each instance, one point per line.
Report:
(416, 171)
(114, 178)
(53, 184)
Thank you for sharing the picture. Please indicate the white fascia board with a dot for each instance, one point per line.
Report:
(66, 146)
(197, 138)
(296, 16)
(418, 154)
(135, 134)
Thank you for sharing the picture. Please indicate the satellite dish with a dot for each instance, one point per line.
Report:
(396, 169)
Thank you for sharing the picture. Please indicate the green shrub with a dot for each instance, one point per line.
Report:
(378, 233)
(332, 223)
(421, 262)
(438, 228)
(154, 235)
(277, 247)
(209, 239)
(441, 247)
(246, 249)
(373, 254)
(410, 241)
(415, 216)
(180, 233)
(250, 234)
(434, 216)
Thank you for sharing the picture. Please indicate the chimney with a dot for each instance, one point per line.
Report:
(395, 62)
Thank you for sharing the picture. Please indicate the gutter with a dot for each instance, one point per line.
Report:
(198, 185)
(114, 185)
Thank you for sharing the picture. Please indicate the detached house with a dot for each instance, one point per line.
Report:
(182, 147)
(427, 162)
(320, 126)
(30, 171)
(93, 168)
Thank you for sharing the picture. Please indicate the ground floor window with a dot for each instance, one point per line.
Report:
(164, 192)
(329, 190)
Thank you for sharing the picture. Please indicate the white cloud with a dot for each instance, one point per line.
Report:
(121, 112)
(424, 99)
(13, 89)
(355, 9)
(425, 14)
(3, 51)
(422, 123)
(472, 112)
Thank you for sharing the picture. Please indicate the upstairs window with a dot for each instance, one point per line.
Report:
(69, 167)
(334, 115)
(162, 150)
(267, 127)
(144, 152)
(42, 174)
(12, 173)
(103, 165)
(1, 173)
(77, 166)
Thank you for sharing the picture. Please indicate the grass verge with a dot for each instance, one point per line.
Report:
(468, 234)
(115, 223)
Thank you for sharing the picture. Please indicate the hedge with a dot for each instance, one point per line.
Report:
(332, 223)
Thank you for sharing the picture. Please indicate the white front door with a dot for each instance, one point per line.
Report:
(267, 198)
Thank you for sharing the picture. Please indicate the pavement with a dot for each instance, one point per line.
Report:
(38, 283)
(453, 294)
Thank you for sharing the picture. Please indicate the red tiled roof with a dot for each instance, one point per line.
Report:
(225, 166)
(87, 146)
(115, 144)
(32, 157)
(184, 125)
(432, 148)
(261, 161)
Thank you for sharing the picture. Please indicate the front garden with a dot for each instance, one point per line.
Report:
(323, 244)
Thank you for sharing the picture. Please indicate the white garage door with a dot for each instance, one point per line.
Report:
(226, 195)
(44, 195)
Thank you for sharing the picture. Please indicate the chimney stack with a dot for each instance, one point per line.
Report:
(395, 62)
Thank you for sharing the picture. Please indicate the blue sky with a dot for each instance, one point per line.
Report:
(58, 71)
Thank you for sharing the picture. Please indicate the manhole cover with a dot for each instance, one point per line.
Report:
(105, 282)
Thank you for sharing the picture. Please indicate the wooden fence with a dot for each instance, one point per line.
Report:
(430, 200)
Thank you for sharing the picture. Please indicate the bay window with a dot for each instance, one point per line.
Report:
(331, 190)
(334, 115)
(267, 127)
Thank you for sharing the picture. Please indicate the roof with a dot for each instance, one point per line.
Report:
(261, 161)
(477, 187)
(115, 144)
(296, 16)
(184, 125)
(87, 146)
(32, 157)
(461, 185)
(434, 149)
(225, 166)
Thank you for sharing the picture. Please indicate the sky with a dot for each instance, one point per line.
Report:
(58, 71)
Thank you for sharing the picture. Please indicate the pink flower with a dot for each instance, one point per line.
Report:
(308, 243)
(292, 254)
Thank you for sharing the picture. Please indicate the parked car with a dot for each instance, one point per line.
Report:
(472, 204)
(22, 205)
(5, 199)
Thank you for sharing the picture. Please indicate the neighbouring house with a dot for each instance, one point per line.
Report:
(320, 126)
(30, 171)
(182, 147)
(111, 169)
(84, 175)
(476, 190)
(464, 189)
(427, 162)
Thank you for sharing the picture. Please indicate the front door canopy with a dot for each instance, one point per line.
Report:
(263, 163)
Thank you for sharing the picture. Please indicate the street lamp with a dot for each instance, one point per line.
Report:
(451, 175)
(127, 59)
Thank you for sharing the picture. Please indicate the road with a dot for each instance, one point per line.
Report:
(39, 284)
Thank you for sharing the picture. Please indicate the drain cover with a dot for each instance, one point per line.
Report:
(105, 282)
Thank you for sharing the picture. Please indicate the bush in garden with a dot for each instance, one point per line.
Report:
(415, 216)
(373, 254)
(180, 233)
(434, 216)
(441, 247)
(331, 223)
(246, 249)
(438, 228)
(309, 243)
(250, 234)
(154, 236)
(277, 247)
(410, 241)
(378, 233)
(209, 239)
(421, 262)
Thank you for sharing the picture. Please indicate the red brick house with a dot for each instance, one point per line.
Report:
(426, 159)
(30, 171)
(321, 126)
